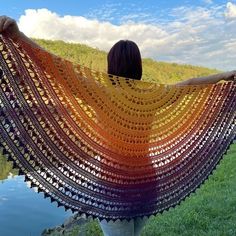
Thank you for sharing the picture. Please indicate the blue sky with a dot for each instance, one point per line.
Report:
(189, 32)
(16, 8)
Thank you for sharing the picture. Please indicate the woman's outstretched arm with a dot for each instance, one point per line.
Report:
(9, 27)
(211, 79)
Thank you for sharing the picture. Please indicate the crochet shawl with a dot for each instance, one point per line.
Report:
(106, 146)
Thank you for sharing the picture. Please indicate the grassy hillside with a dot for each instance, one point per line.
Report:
(161, 72)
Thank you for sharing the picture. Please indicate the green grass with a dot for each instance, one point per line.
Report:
(153, 71)
(210, 211)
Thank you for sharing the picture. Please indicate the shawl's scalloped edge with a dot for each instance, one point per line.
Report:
(6, 154)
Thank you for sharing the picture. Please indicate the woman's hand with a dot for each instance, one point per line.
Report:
(9, 26)
(230, 75)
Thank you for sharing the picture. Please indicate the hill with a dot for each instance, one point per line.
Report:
(154, 71)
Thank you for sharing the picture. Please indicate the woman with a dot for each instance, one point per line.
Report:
(124, 60)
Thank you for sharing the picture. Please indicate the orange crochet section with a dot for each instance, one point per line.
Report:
(107, 146)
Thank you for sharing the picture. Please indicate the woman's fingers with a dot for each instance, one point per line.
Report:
(230, 75)
(9, 26)
(8, 23)
(234, 75)
(2, 21)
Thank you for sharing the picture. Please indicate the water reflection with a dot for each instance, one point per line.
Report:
(22, 211)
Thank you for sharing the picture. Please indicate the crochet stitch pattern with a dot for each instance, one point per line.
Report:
(106, 146)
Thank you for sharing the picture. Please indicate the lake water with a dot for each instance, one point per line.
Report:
(23, 212)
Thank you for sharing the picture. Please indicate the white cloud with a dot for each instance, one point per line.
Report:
(3, 198)
(230, 12)
(199, 36)
(208, 1)
(106, 12)
(44, 23)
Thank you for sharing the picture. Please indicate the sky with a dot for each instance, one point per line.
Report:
(200, 32)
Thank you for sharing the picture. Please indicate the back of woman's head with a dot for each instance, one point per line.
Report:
(124, 59)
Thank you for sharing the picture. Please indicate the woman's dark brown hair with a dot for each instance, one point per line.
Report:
(124, 59)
